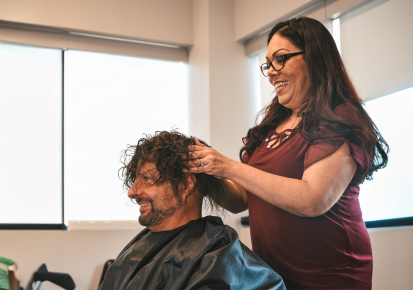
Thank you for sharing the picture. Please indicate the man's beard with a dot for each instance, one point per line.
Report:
(157, 214)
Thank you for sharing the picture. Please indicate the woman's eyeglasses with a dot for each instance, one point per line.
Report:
(277, 62)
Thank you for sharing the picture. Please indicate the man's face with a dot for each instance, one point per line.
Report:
(158, 202)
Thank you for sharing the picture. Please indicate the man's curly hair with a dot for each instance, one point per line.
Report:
(169, 152)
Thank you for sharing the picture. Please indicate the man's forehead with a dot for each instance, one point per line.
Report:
(146, 167)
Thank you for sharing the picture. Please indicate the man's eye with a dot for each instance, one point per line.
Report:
(146, 178)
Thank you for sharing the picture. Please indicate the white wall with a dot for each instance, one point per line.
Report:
(253, 16)
(165, 21)
(254, 19)
(224, 100)
(198, 79)
(392, 258)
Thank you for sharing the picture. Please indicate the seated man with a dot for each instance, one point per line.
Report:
(179, 249)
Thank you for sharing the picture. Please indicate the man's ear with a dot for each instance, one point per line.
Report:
(189, 185)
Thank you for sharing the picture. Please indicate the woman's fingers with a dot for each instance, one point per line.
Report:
(197, 155)
(193, 148)
(199, 143)
(211, 160)
(196, 152)
(196, 162)
(195, 167)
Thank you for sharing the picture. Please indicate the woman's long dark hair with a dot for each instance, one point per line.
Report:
(330, 86)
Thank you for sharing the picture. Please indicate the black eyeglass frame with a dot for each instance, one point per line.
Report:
(284, 57)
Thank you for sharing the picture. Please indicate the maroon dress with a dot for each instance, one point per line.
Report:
(331, 251)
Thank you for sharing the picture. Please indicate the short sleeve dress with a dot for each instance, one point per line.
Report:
(330, 251)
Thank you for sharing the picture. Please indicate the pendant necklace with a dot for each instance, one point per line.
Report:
(282, 136)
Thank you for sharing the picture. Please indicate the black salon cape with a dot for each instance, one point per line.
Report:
(203, 254)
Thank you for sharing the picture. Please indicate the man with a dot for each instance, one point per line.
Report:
(179, 249)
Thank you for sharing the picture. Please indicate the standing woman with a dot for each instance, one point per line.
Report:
(302, 165)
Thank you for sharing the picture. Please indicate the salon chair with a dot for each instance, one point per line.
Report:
(42, 274)
(105, 269)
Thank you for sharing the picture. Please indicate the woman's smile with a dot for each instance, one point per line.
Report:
(279, 86)
(292, 82)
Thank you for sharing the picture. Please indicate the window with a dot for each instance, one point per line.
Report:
(389, 194)
(64, 138)
(336, 33)
(30, 135)
(110, 101)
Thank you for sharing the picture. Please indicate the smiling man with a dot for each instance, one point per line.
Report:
(179, 249)
(157, 203)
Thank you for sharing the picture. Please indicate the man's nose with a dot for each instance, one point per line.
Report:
(134, 190)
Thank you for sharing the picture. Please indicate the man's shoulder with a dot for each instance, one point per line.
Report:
(212, 227)
(220, 246)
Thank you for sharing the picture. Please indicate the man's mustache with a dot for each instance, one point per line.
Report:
(141, 199)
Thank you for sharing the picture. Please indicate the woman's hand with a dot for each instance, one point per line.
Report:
(219, 166)
(213, 163)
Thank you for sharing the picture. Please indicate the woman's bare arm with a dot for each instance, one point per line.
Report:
(321, 186)
(237, 197)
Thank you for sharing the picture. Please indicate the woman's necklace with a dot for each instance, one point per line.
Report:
(282, 136)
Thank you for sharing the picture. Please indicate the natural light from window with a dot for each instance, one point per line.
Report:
(30, 135)
(389, 194)
(336, 33)
(111, 101)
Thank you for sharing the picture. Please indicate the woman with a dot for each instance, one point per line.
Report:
(302, 165)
